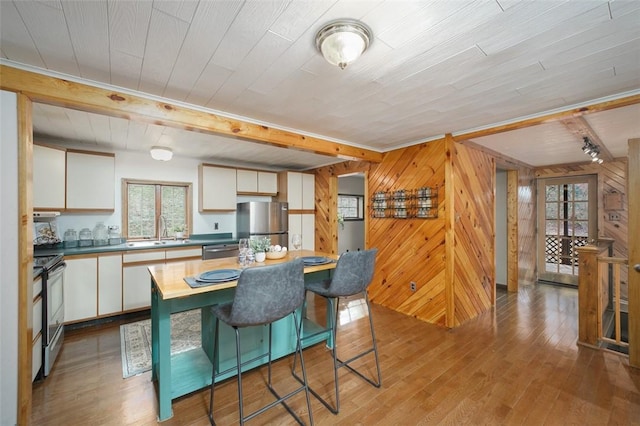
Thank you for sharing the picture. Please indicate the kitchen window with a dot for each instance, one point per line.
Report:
(155, 209)
(351, 206)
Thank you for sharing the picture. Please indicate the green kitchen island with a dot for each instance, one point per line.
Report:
(189, 371)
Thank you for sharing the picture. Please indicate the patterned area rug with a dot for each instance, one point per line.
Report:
(135, 341)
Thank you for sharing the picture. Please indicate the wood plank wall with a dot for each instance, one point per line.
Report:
(527, 218)
(474, 233)
(414, 249)
(612, 177)
(410, 249)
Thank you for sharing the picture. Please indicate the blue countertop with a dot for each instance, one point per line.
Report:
(193, 241)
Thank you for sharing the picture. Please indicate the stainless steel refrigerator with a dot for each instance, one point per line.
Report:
(261, 218)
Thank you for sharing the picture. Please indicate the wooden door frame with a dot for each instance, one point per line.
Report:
(594, 208)
(634, 250)
(333, 208)
(513, 271)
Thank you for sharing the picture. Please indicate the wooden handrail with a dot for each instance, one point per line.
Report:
(618, 260)
(594, 294)
(617, 312)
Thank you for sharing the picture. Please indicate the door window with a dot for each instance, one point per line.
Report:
(567, 219)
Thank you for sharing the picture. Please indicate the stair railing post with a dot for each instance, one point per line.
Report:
(588, 293)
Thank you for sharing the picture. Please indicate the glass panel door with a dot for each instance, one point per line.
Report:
(567, 219)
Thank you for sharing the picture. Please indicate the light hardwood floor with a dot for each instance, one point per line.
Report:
(518, 364)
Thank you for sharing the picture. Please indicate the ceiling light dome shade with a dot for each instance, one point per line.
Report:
(161, 153)
(342, 42)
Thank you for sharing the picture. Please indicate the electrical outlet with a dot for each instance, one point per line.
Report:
(412, 285)
(215, 226)
(614, 217)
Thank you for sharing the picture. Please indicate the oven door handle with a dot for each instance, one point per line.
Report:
(57, 270)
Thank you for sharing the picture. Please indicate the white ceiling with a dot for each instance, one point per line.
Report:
(433, 67)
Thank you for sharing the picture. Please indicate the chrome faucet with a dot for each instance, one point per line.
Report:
(162, 227)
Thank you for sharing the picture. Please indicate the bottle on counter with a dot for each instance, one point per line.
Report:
(86, 238)
(114, 235)
(70, 238)
(100, 235)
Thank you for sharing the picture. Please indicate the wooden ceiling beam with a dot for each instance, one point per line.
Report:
(55, 91)
(575, 112)
(581, 129)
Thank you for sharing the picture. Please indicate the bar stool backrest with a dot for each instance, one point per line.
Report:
(267, 293)
(353, 273)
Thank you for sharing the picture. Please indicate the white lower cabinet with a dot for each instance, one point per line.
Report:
(113, 283)
(37, 316)
(109, 284)
(304, 224)
(136, 280)
(308, 231)
(80, 288)
(36, 357)
(184, 253)
(136, 287)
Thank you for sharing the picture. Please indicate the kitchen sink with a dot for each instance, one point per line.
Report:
(146, 243)
(156, 243)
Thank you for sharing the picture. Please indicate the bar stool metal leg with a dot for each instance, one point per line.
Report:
(374, 349)
(213, 370)
(263, 295)
(337, 362)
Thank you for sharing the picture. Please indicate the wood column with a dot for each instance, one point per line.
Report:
(449, 238)
(512, 231)
(634, 252)
(588, 281)
(25, 248)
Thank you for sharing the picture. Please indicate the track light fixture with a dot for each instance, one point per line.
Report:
(592, 150)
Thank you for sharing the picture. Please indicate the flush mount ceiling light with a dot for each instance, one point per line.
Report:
(343, 41)
(161, 153)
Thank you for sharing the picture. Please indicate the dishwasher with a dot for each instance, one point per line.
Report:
(218, 251)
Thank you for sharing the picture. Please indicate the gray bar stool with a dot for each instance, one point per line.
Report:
(352, 276)
(263, 295)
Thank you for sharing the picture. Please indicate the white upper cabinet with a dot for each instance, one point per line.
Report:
(217, 188)
(48, 178)
(308, 191)
(267, 183)
(298, 189)
(247, 181)
(256, 182)
(90, 181)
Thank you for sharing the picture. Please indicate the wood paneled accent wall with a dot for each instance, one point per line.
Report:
(415, 250)
(612, 177)
(473, 275)
(411, 250)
